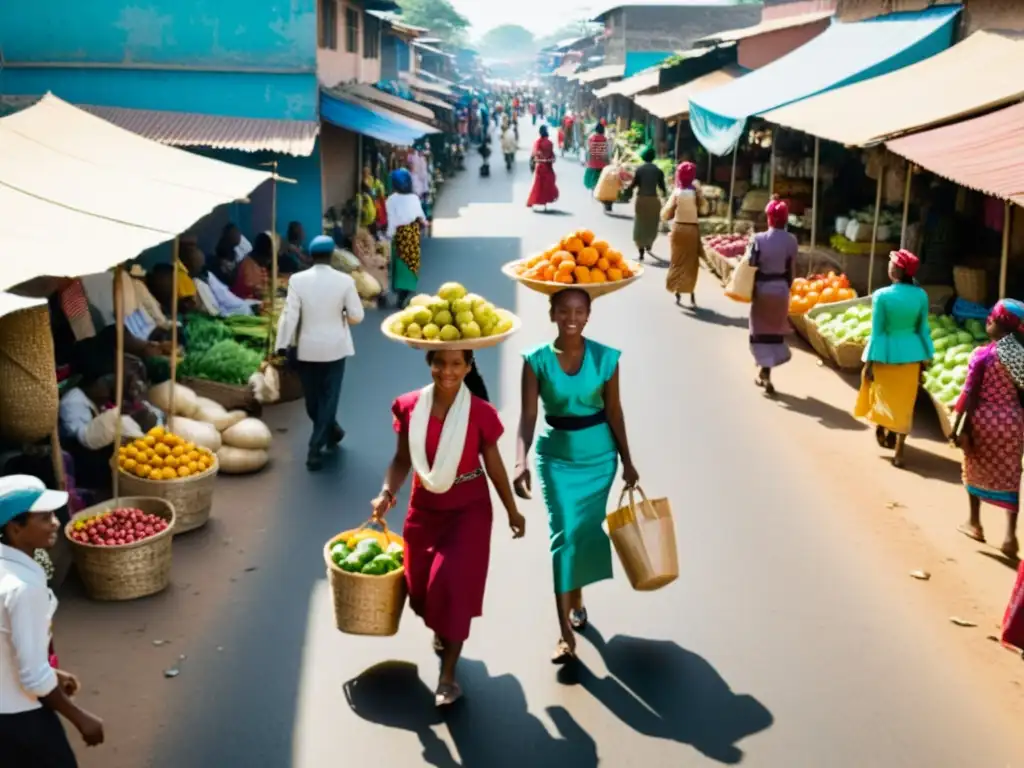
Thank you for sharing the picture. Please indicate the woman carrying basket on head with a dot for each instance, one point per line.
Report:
(577, 455)
(447, 435)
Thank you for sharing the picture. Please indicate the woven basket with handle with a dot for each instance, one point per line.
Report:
(366, 605)
(127, 571)
(28, 382)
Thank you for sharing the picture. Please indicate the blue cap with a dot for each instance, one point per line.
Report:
(322, 244)
(24, 493)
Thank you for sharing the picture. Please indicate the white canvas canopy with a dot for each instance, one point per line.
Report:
(80, 195)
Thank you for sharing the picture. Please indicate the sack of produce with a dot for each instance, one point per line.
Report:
(208, 410)
(366, 570)
(608, 185)
(344, 261)
(644, 537)
(266, 384)
(741, 282)
(186, 402)
(249, 433)
(229, 420)
(241, 461)
(366, 286)
(198, 432)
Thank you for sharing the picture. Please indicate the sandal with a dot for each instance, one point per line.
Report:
(977, 534)
(578, 619)
(563, 653)
(447, 694)
(1010, 549)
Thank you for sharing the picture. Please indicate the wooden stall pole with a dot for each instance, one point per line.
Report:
(119, 378)
(874, 229)
(814, 194)
(58, 460)
(906, 206)
(771, 168)
(175, 251)
(1007, 220)
(274, 267)
(732, 183)
(711, 167)
(679, 136)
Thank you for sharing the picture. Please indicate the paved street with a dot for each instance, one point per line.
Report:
(786, 642)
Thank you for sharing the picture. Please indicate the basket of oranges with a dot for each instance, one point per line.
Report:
(579, 260)
(165, 466)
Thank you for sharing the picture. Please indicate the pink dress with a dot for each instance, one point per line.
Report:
(448, 535)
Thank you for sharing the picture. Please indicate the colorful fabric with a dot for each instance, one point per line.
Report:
(597, 155)
(686, 249)
(576, 468)
(888, 399)
(590, 177)
(992, 465)
(1011, 355)
(774, 254)
(75, 306)
(186, 286)
(448, 535)
(545, 189)
(777, 212)
(906, 261)
(686, 174)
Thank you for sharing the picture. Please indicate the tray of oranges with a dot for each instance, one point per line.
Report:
(579, 260)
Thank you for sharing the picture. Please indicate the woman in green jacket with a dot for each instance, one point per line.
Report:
(899, 347)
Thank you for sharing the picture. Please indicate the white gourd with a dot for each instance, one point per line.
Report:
(248, 433)
(198, 432)
(185, 399)
(241, 461)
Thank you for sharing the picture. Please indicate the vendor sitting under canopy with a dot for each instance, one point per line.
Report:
(253, 278)
(213, 297)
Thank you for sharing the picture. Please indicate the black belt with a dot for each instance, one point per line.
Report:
(766, 338)
(763, 277)
(576, 423)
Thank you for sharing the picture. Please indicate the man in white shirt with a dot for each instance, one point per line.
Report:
(31, 691)
(322, 303)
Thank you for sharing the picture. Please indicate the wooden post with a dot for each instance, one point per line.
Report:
(906, 205)
(874, 229)
(679, 136)
(814, 196)
(174, 331)
(771, 168)
(732, 183)
(119, 377)
(58, 460)
(1007, 218)
(274, 267)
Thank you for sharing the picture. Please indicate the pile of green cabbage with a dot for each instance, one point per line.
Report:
(954, 343)
(851, 325)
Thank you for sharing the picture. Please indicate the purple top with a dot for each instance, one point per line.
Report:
(774, 254)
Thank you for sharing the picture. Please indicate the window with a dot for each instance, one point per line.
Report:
(329, 24)
(352, 30)
(371, 38)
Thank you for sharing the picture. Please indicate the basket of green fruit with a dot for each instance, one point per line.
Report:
(366, 571)
(453, 319)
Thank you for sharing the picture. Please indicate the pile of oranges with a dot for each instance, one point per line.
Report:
(161, 455)
(578, 258)
(808, 292)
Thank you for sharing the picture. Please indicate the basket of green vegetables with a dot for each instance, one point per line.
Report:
(218, 365)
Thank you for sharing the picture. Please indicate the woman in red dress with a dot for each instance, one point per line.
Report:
(544, 190)
(448, 434)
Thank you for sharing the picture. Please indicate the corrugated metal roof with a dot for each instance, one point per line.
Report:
(676, 102)
(424, 85)
(566, 69)
(368, 92)
(381, 111)
(927, 93)
(631, 86)
(606, 72)
(773, 25)
(984, 153)
(187, 129)
(433, 101)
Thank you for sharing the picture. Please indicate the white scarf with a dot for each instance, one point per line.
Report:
(441, 477)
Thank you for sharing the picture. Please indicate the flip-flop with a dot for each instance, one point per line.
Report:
(578, 619)
(1010, 552)
(971, 533)
(563, 653)
(447, 694)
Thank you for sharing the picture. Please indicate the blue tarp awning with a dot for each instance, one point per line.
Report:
(370, 122)
(638, 61)
(844, 54)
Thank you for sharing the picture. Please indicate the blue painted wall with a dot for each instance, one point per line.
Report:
(272, 34)
(233, 94)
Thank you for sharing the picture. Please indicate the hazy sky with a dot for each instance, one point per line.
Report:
(539, 16)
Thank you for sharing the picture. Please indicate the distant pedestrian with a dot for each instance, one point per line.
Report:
(682, 210)
(648, 182)
(405, 224)
(598, 156)
(544, 190)
(900, 343)
(322, 303)
(990, 423)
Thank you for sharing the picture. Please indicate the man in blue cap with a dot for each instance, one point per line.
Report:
(31, 691)
(322, 303)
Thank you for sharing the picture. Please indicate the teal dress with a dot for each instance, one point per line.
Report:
(576, 468)
(899, 326)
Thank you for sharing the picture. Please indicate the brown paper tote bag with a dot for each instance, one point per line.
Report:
(644, 537)
(741, 283)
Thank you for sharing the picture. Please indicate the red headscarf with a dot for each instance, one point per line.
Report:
(778, 214)
(686, 173)
(906, 261)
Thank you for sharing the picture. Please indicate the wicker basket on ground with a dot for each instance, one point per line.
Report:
(366, 605)
(971, 284)
(234, 397)
(29, 401)
(848, 355)
(128, 571)
(945, 415)
(191, 497)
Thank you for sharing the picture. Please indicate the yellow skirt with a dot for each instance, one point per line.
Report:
(888, 401)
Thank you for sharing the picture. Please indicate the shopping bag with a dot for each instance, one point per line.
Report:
(644, 538)
(1013, 619)
(608, 185)
(741, 283)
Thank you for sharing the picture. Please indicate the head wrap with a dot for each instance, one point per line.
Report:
(322, 244)
(647, 154)
(686, 173)
(1009, 314)
(778, 214)
(599, 129)
(906, 261)
(543, 131)
(401, 181)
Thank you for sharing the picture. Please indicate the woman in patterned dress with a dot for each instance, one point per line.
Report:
(405, 220)
(990, 423)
